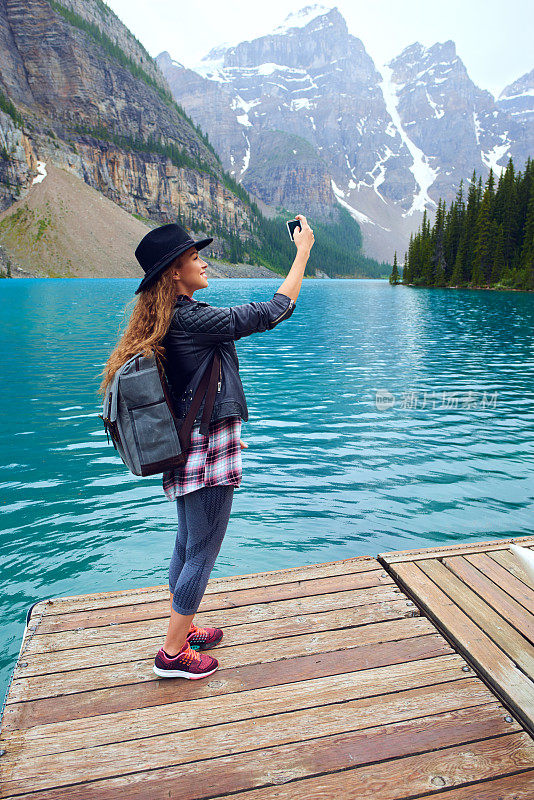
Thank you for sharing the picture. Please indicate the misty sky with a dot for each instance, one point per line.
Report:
(493, 39)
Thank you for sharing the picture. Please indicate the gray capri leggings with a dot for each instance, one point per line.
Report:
(202, 521)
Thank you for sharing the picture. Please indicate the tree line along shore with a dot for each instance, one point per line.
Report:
(485, 241)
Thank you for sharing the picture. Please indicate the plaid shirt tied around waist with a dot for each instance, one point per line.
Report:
(212, 460)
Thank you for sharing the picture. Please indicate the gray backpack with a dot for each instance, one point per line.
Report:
(139, 416)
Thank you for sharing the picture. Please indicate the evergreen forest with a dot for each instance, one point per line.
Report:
(484, 240)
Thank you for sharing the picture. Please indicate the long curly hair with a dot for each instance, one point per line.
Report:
(148, 323)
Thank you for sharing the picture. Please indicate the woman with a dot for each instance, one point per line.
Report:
(187, 333)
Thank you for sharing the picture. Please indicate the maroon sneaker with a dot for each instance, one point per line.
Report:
(203, 638)
(187, 663)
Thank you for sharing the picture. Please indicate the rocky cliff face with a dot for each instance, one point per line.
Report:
(456, 126)
(275, 164)
(17, 160)
(94, 103)
(391, 141)
(284, 169)
(300, 82)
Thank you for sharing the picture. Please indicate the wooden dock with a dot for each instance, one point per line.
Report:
(333, 683)
(482, 600)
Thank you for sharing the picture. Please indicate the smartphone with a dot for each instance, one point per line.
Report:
(291, 225)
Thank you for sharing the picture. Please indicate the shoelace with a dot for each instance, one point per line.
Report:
(195, 629)
(189, 653)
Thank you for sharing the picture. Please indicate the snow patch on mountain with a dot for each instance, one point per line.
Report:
(423, 173)
(211, 69)
(380, 176)
(438, 112)
(239, 104)
(491, 157)
(359, 216)
(302, 17)
(246, 159)
(301, 102)
(528, 93)
(41, 172)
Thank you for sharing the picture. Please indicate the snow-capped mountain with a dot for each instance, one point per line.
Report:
(516, 102)
(304, 119)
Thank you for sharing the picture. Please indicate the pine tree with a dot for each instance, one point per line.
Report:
(465, 255)
(394, 277)
(453, 230)
(438, 250)
(409, 262)
(499, 263)
(507, 217)
(425, 253)
(484, 245)
(487, 240)
(457, 272)
(527, 251)
(406, 270)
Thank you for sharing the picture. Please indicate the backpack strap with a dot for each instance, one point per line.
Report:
(112, 402)
(207, 382)
(210, 396)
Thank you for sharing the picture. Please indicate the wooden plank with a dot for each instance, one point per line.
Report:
(490, 623)
(241, 626)
(507, 559)
(491, 662)
(517, 616)
(396, 780)
(504, 578)
(519, 786)
(53, 665)
(108, 728)
(222, 601)
(218, 615)
(117, 664)
(398, 556)
(127, 597)
(155, 692)
(210, 742)
(373, 764)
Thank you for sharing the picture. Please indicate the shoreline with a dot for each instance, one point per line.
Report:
(216, 269)
(472, 288)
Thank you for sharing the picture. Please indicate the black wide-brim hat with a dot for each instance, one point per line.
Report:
(160, 246)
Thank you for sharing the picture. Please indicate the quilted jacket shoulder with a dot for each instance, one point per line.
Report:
(197, 330)
(203, 318)
(232, 322)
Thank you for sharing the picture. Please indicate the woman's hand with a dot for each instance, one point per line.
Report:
(303, 238)
(242, 443)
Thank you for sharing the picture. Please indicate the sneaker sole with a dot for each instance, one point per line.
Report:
(178, 673)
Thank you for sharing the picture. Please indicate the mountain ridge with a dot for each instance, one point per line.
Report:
(79, 92)
(394, 139)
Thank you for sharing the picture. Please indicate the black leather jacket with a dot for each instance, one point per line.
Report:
(197, 329)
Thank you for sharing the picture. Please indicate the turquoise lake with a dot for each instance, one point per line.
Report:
(380, 418)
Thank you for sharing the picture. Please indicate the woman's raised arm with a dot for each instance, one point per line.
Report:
(304, 241)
